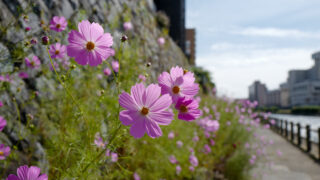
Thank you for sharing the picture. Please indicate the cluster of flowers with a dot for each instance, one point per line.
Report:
(147, 107)
(102, 144)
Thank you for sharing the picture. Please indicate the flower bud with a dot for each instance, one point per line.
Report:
(45, 40)
(27, 29)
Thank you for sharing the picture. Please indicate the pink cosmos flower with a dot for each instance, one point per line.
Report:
(26, 173)
(142, 77)
(188, 109)
(23, 75)
(58, 23)
(114, 157)
(99, 141)
(179, 144)
(34, 63)
(173, 159)
(212, 125)
(161, 41)
(57, 50)
(27, 29)
(195, 138)
(90, 45)
(115, 66)
(193, 160)
(4, 151)
(107, 72)
(127, 26)
(191, 168)
(228, 123)
(136, 176)
(207, 148)
(1, 103)
(145, 110)
(178, 169)
(3, 123)
(171, 135)
(178, 84)
(212, 142)
(272, 121)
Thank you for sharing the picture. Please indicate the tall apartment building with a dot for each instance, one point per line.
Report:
(191, 45)
(304, 85)
(258, 92)
(175, 10)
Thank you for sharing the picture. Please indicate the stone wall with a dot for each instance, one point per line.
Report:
(109, 13)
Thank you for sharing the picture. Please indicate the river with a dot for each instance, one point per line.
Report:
(313, 121)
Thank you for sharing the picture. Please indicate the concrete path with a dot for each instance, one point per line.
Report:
(292, 164)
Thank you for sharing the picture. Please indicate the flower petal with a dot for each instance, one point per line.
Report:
(165, 80)
(127, 102)
(22, 172)
(126, 117)
(105, 40)
(137, 93)
(33, 173)
(190, 90)
(162, 103)
(176, 72)
(151, 94)
(138, 129)
(84, 29)
(162, 117)
(153, 129)
(12, 177)
(43, 177)
(96, 31)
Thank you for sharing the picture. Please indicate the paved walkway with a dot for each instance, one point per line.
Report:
(292, 164)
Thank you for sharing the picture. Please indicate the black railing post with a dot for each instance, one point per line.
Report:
(319, 143)
(308, 138)
(286, 130)
(281, 127)
(299, 134)
(292, 132)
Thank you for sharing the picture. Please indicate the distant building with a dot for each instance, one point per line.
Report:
(273, 98)
(175, 10)
(284, 95)
(304, 85)
(258, 92)
(191, 45)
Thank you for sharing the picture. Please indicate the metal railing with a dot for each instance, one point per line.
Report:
(293, 133)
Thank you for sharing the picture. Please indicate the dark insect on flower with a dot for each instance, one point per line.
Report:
(124, 38)
(148, 64)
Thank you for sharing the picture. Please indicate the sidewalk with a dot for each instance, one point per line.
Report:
(292, 164)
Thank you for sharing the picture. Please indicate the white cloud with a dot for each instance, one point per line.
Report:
(276, 32)
(231, 46)
(234, 71)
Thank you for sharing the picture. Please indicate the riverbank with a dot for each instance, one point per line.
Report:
(283, 161)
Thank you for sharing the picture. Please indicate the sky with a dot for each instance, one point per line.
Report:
(240, 41)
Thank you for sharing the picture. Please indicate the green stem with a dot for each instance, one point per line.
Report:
(116, 131)
(64, 86)
(19, 117)
(102, 152)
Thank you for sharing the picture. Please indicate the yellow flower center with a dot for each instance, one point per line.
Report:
(183, 109)
(1, 153)
(58, 26)
(90, 46)
(57, 52)
(32, 63)
(185, 71)
(144, 111)
(175, 89)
